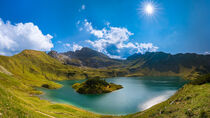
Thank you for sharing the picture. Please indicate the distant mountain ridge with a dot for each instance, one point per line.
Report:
(165, 62)
(85, 53)
(85, 57)
(65, 59)
(150, 63)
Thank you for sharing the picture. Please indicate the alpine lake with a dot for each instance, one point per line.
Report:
(137, 94)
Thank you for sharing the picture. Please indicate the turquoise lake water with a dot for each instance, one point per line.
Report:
(139, 93)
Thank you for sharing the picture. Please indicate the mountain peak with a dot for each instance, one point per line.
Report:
(85, 57)
(85, 49)
(31, 52)
(88, 52)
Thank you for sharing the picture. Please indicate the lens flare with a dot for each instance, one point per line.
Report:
(149, 9)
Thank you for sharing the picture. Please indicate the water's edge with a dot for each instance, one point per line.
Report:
(146, 105)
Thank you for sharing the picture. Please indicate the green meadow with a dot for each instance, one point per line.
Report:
(22, 73)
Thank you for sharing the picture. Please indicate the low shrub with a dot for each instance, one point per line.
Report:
(201, 80)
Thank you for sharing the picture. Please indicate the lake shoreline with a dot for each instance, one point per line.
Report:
(90, 110)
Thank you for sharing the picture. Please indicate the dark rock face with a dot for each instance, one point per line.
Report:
(92, 58)
(53, 54)
(65, 59)
(85, 53)
(85, 57)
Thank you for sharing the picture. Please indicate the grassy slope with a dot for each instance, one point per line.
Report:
(191, 101)
(17, 98)
(163, 64)
(16, 101)
(35, 68)
(32, 69)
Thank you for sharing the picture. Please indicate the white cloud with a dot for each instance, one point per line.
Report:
(115, 56)
(76, 47)
(80, 29)
(206, 53)
(98, 33)
(73, 47)
(146, 47)
(78, 22)
(117, 36)
(83, 7)
(107, 23)
(66, 45)
(15, 38)
(59, 42)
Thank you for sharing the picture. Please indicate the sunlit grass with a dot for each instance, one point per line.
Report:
(30, 69)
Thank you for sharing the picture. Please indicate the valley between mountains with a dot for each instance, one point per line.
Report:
(21, 74)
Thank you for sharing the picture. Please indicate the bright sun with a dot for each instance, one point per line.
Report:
(149, 9)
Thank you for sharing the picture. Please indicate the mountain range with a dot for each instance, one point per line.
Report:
(150, 63)
(85, 57)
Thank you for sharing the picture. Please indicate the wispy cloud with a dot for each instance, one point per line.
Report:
(76, 47)
(72, 47)
(114, 41)
(207, 53)
(66, 45)
(15, 38)
(98, 33)
(59, 42)
(83, 7)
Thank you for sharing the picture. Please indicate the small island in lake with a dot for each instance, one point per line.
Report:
(95, 86)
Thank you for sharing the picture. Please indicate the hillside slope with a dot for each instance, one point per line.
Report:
(22, 73)
(160, 63)
(37, 68)
(18, 100)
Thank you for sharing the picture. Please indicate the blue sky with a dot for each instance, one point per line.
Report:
(117, 28)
